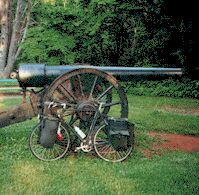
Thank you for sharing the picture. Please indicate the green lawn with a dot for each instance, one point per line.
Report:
(10, 83)
(165, 114)
(171, 173)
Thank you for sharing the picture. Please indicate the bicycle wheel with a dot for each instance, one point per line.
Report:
(104, 149)
(58, 150)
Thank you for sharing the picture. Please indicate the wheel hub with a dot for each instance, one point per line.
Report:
(86, 110)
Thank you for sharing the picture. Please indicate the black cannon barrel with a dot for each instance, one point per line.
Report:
(38, 75)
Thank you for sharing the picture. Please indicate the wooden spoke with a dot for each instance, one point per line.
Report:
(104, 93)
(80, 85)
(93, 86)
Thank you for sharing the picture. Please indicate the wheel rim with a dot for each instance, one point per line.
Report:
(58, 151)
(82, 91)
(104, 149)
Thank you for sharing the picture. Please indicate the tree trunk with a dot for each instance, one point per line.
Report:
(13, 32)
(4, 32)
(24, 111)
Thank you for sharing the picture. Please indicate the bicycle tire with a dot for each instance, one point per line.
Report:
(104, 149)
(46, 154)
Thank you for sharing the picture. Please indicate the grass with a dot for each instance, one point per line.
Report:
(165, 114)
(10, 90)
(8, 86)
(10, 83)
(9, 102)
(172, 173)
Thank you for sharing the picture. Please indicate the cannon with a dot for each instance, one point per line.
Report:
(38, 75)
(83, 98)
(54, 81)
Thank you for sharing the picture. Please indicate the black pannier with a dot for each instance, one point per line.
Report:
(120, 133)
(48, 132)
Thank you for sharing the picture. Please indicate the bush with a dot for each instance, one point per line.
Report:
(183, 88)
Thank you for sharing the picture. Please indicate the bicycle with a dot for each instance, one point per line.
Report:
(98, 137)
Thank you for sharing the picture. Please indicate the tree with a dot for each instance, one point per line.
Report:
(14, 21)
(98, 32)
(109, 32)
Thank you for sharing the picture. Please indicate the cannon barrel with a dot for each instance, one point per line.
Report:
(39, 75)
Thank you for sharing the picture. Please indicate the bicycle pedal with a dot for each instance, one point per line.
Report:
(78, 148)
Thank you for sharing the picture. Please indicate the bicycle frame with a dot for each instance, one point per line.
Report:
(88, 139)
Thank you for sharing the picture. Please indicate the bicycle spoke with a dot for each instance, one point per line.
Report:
(118, 154)
(48, 154)
(107, 151)
(104, 149)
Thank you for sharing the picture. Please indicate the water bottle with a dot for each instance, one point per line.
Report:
(79, 132)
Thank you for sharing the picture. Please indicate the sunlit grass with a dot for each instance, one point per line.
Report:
(6, 102)
(81, 173)
(151, 113)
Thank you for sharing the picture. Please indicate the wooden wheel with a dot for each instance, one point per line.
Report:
(81, 92)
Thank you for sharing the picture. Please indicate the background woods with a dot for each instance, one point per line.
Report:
(99, 32)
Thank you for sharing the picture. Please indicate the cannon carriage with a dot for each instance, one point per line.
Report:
(83, 102)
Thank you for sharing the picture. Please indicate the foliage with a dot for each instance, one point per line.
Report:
(46, 45)
(184, 87)
(99, 32)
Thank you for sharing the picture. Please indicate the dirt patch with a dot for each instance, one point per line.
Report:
(185, 111)
(166, 141)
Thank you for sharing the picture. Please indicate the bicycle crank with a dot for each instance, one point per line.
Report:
(83, 147)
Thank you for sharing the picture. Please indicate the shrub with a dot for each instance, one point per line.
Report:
(183, 88)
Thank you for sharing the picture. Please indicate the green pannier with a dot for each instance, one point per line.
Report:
(120, 133)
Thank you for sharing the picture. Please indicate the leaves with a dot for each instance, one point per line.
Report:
(99, 32)
(185, 88)
(48, 46)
